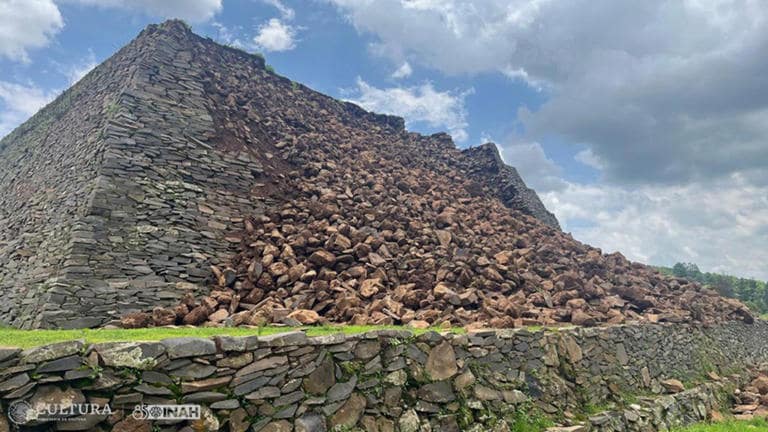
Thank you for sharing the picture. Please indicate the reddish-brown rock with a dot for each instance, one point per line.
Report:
(163, 316)
(136, 320)
(367, 223)
(305, 316)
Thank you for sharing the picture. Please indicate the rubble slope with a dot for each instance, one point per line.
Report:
(368, 223)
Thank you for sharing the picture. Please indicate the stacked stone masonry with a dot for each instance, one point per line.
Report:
(120, 194)
(392, 380)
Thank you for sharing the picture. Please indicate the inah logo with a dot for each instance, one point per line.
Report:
(166, 412)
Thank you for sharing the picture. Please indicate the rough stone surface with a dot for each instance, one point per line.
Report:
(189, 347)
(52, 352)
(322, 378)
(131, 424)
(441, 363)
(349, 414)
(310, 423)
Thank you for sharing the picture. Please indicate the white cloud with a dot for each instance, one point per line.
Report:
(403, 71)
(27, 24)
(538, 171)
(590, 159)
(286, 12)
(275, 36)
(723, 227)
(669, 98)
(77, 71)
(228, 35)
(19, 102)
(663, 92)
(30, 24)
(190, 10)
(418, 104)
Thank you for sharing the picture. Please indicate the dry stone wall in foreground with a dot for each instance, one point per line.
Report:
(393, 380)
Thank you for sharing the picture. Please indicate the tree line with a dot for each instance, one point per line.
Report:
(752, 292)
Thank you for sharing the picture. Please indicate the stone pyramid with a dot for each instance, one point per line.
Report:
(121, 193)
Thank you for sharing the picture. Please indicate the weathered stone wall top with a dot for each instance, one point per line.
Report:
(506, 183)
(388, 380)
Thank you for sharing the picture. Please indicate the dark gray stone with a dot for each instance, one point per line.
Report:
(194, 371)
(204, 397)
(62, 364)
(440, 391)
(52, 351)
(189, 347)
(341, 391)
(153, 390)
(322, 378)
(14, 382)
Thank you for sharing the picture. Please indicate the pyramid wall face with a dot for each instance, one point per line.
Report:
(48, 171)
(141, 207)
(122, 193)
(168, 198)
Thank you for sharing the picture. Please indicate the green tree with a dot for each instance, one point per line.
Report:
(753, 293)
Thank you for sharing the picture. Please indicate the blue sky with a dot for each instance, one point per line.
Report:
(643, 125)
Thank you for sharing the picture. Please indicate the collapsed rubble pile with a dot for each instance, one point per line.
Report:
(370, 224)
(752, 400)
(369, 252)
(367, 240)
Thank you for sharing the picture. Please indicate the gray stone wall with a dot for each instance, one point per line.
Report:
(393, 380)
(48, 172)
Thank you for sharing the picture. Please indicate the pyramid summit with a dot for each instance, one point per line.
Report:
(123, 192)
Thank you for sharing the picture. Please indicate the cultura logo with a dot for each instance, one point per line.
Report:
(21, 412)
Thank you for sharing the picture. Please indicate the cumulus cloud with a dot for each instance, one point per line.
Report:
(660, 224)
(403, 71)
(590, 159)
(229, 35)
(25, 25)
(539, 171)
(190, 10)
(422, 103)
(275, 35)
(662, 92)
(668, 100)
(19, 102)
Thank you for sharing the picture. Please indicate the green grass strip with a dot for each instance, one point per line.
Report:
(30, 338)
(755, 425)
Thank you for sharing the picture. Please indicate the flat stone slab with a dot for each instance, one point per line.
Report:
(189, 347)
(52, 352)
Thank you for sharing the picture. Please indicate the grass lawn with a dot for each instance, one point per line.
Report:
(10, 337)
(756, 425)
